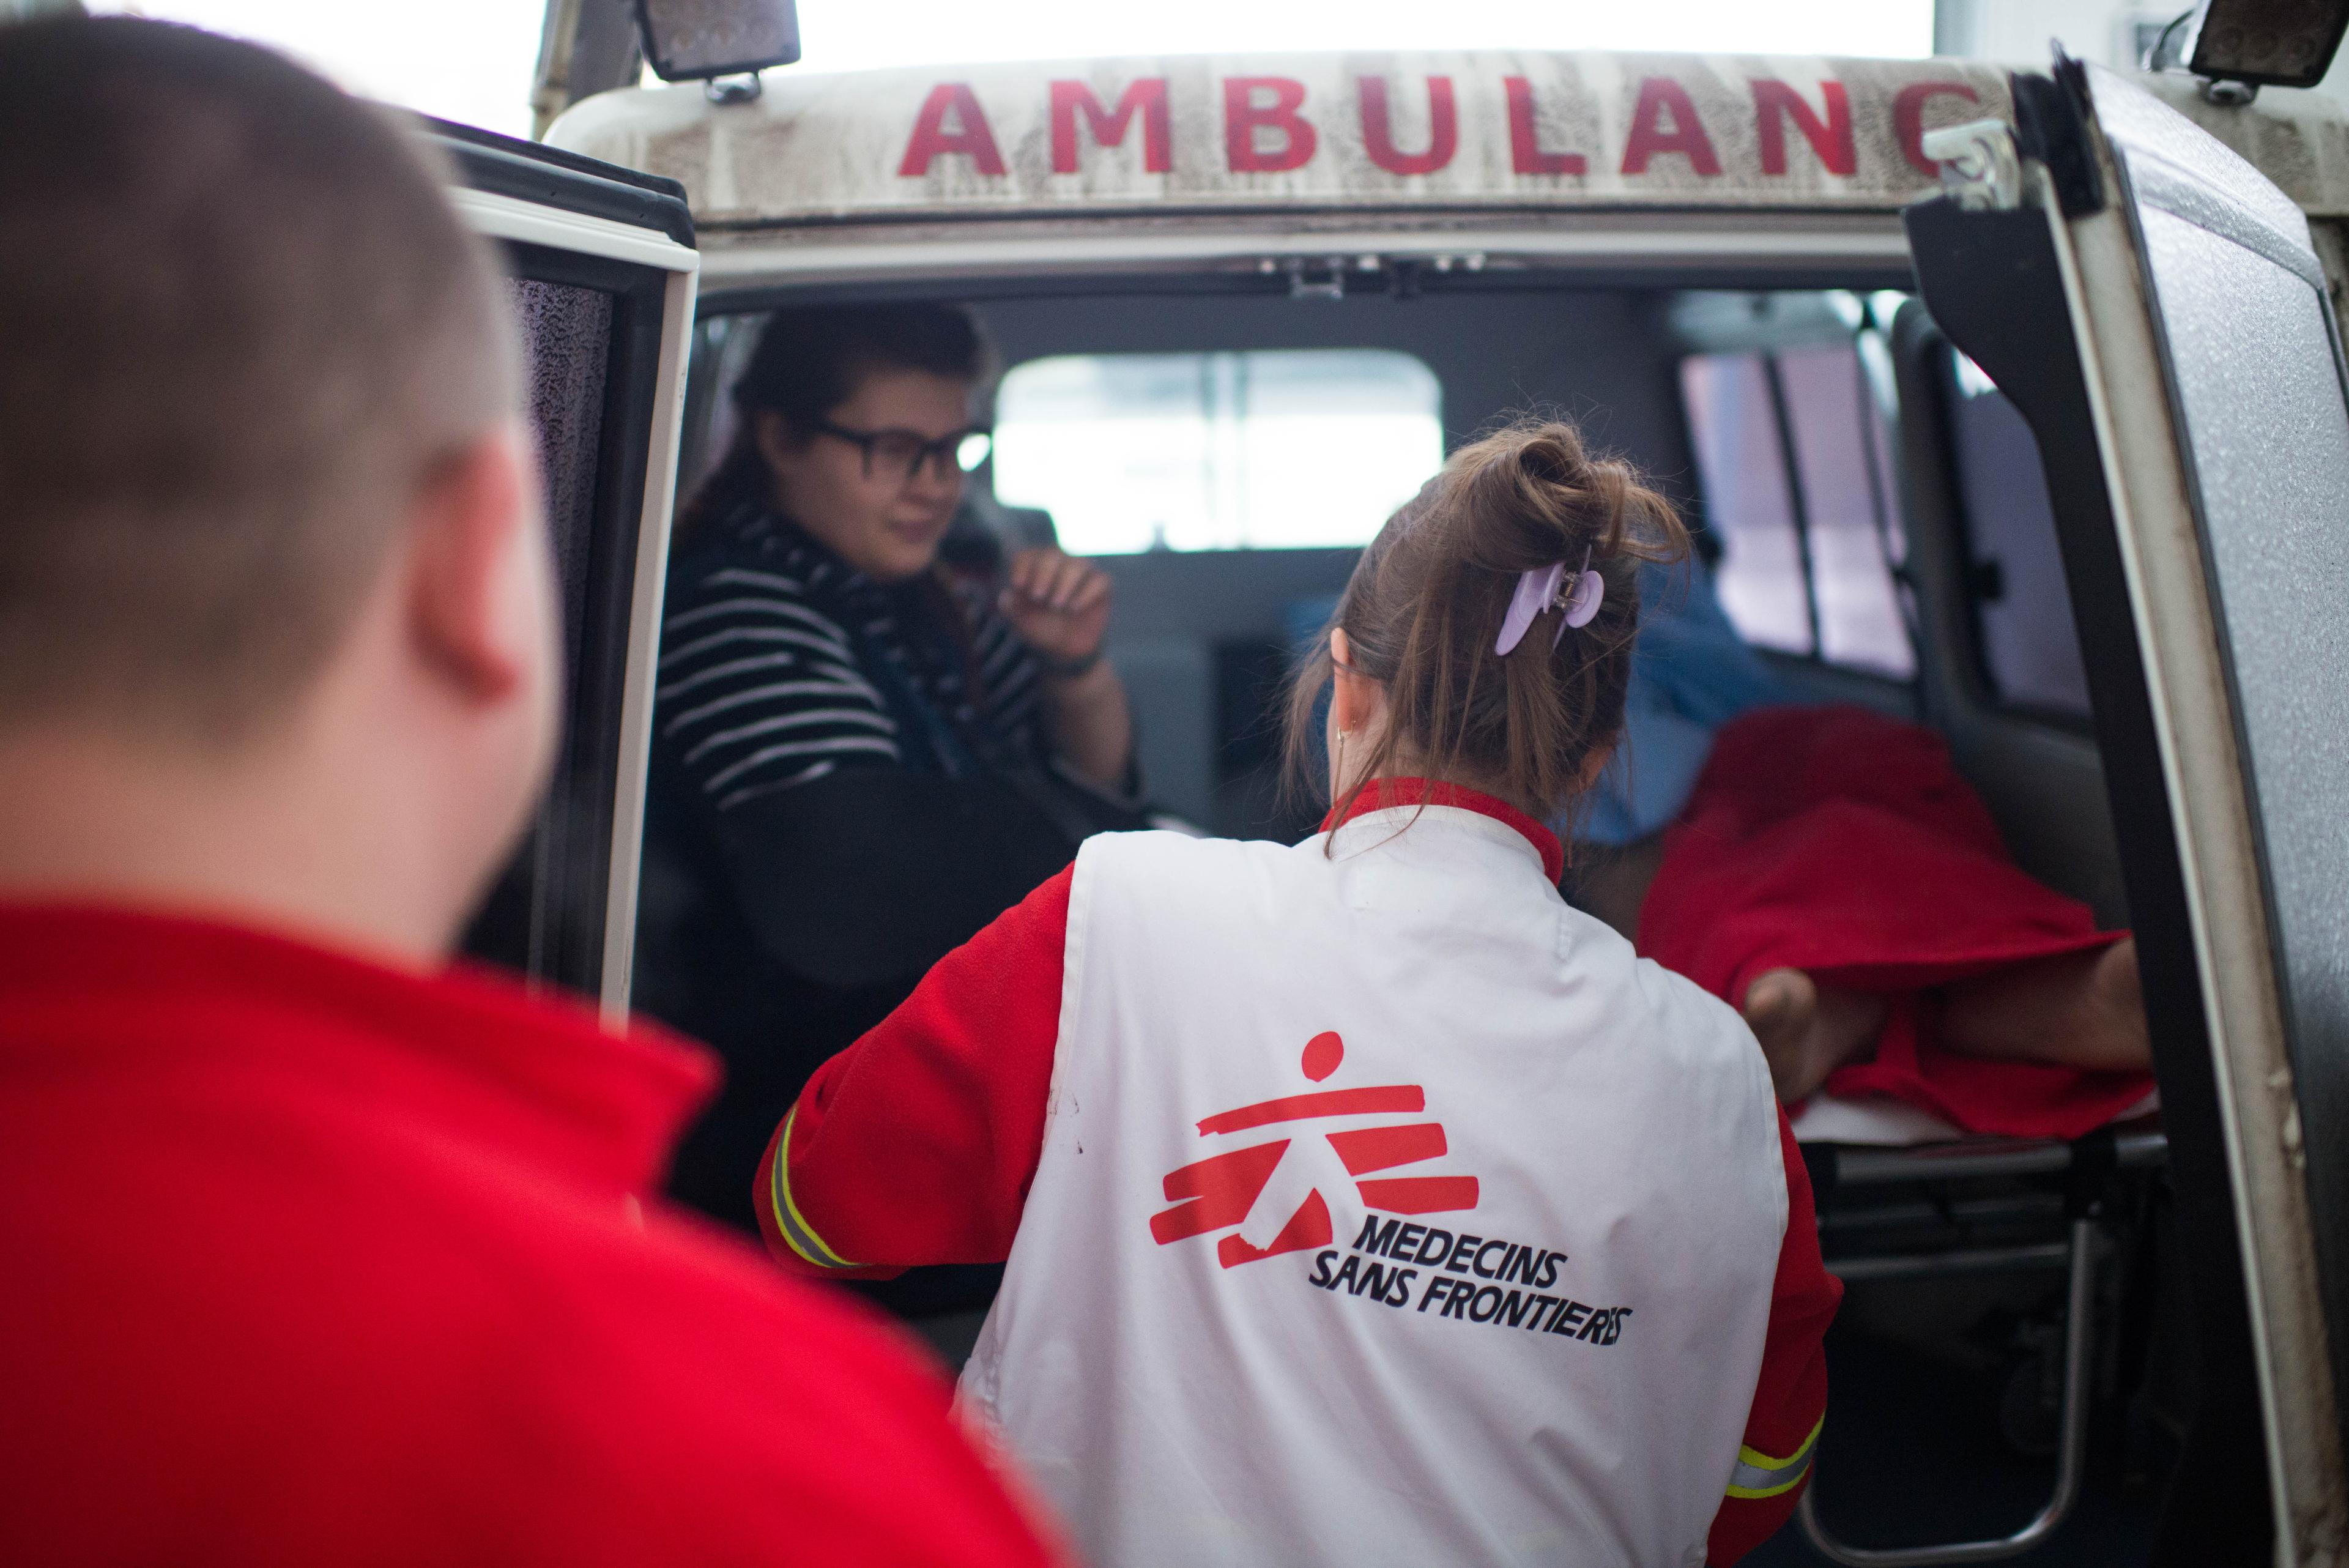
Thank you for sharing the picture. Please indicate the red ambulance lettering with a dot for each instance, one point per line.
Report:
(1378, 129)
(1909, 118)
(1776, 102)
(1244, 117)
(1527, 155)
(969, 136)
(1146, 99)
(1650, 137)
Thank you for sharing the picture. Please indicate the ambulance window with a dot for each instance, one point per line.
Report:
(1264, 449)
(546, 902)
(1742, 464)
(1795, 467)
(591, 332)
(1843, 458)
(2022, 608)
(568, 333)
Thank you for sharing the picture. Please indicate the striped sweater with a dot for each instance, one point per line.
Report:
(780, 664)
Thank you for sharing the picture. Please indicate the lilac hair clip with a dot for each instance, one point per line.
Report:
(1539, 590)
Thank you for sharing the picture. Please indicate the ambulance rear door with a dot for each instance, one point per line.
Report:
(2154, 308)
(602, 267)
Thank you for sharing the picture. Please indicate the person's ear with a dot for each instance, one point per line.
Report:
(1592, 766)
(778, 442)
(480, 590)
(1355, 699)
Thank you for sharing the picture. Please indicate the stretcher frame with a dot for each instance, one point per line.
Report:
(2087, 1165)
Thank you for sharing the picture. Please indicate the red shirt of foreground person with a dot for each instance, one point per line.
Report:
(313, 1262)
(315, 1249)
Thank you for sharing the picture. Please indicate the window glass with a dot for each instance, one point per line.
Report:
(568, 343)
(1217, 451)
(545, 914)
(1877, 375)
(2031, 652)
(1838, 438)
(1740, 463)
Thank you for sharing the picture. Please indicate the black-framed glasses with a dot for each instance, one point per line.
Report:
(901, 454)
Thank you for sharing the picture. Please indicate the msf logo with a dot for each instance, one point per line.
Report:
(1272, 1190)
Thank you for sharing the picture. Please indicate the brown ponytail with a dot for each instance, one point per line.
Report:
(1426, 601)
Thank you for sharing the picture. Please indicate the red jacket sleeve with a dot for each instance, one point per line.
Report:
(916, 1144)
(1790, 1399)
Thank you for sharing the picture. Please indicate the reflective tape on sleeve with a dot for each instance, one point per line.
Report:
(795, 1227)
(1758, 1474)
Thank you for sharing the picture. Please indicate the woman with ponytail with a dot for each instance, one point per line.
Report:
(1363, 1201)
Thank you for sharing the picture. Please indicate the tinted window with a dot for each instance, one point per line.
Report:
(567, 335)
(1795, 466)
(2023, 608)
(1217, 451)
(544, 914)
(592, 330)
(1841, 461)
(1742, 464)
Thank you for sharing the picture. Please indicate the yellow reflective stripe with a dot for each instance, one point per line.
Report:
(796, 1232)
(1758, 1474)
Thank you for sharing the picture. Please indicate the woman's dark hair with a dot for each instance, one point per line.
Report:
(1425, 604)
(809, 361)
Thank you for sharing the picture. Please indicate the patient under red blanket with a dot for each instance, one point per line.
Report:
(1835, 879)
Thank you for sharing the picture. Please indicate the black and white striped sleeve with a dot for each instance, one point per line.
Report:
(759, 692)
(1009, 681)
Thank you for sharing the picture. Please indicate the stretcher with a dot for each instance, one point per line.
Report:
(1903, 1195)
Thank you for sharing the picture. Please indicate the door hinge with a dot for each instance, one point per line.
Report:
(1982, 170)
(2051, 127)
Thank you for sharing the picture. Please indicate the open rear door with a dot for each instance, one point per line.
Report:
(602, 270)
(2154, 308)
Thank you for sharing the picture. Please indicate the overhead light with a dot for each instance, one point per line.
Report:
(695, 40)
(2266, 43)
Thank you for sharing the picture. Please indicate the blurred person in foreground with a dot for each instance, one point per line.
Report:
(317, 1249)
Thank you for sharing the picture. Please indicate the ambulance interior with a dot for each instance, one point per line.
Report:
(1879, 530)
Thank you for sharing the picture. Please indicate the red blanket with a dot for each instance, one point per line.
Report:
(1838, 842)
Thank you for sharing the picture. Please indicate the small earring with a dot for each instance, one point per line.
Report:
(1339, 769)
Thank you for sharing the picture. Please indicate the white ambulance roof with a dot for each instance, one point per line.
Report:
(1353, 133)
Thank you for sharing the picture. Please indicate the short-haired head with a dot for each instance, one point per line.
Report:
(1425, 604)
(242, 327)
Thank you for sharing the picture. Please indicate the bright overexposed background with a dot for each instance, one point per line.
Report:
(467, 60)
(472, 60)
(862, 33)
(1267, 448)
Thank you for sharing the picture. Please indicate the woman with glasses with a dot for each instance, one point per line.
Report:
(862, 753)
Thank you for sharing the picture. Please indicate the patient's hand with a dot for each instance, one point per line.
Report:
(1058, 603)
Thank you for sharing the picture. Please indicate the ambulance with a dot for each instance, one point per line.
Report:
(2013, 403)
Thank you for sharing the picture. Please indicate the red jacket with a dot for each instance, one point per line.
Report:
(308, 1261)
(917, 1145)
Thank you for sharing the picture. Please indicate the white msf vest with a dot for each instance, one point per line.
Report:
(1390, 1211)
